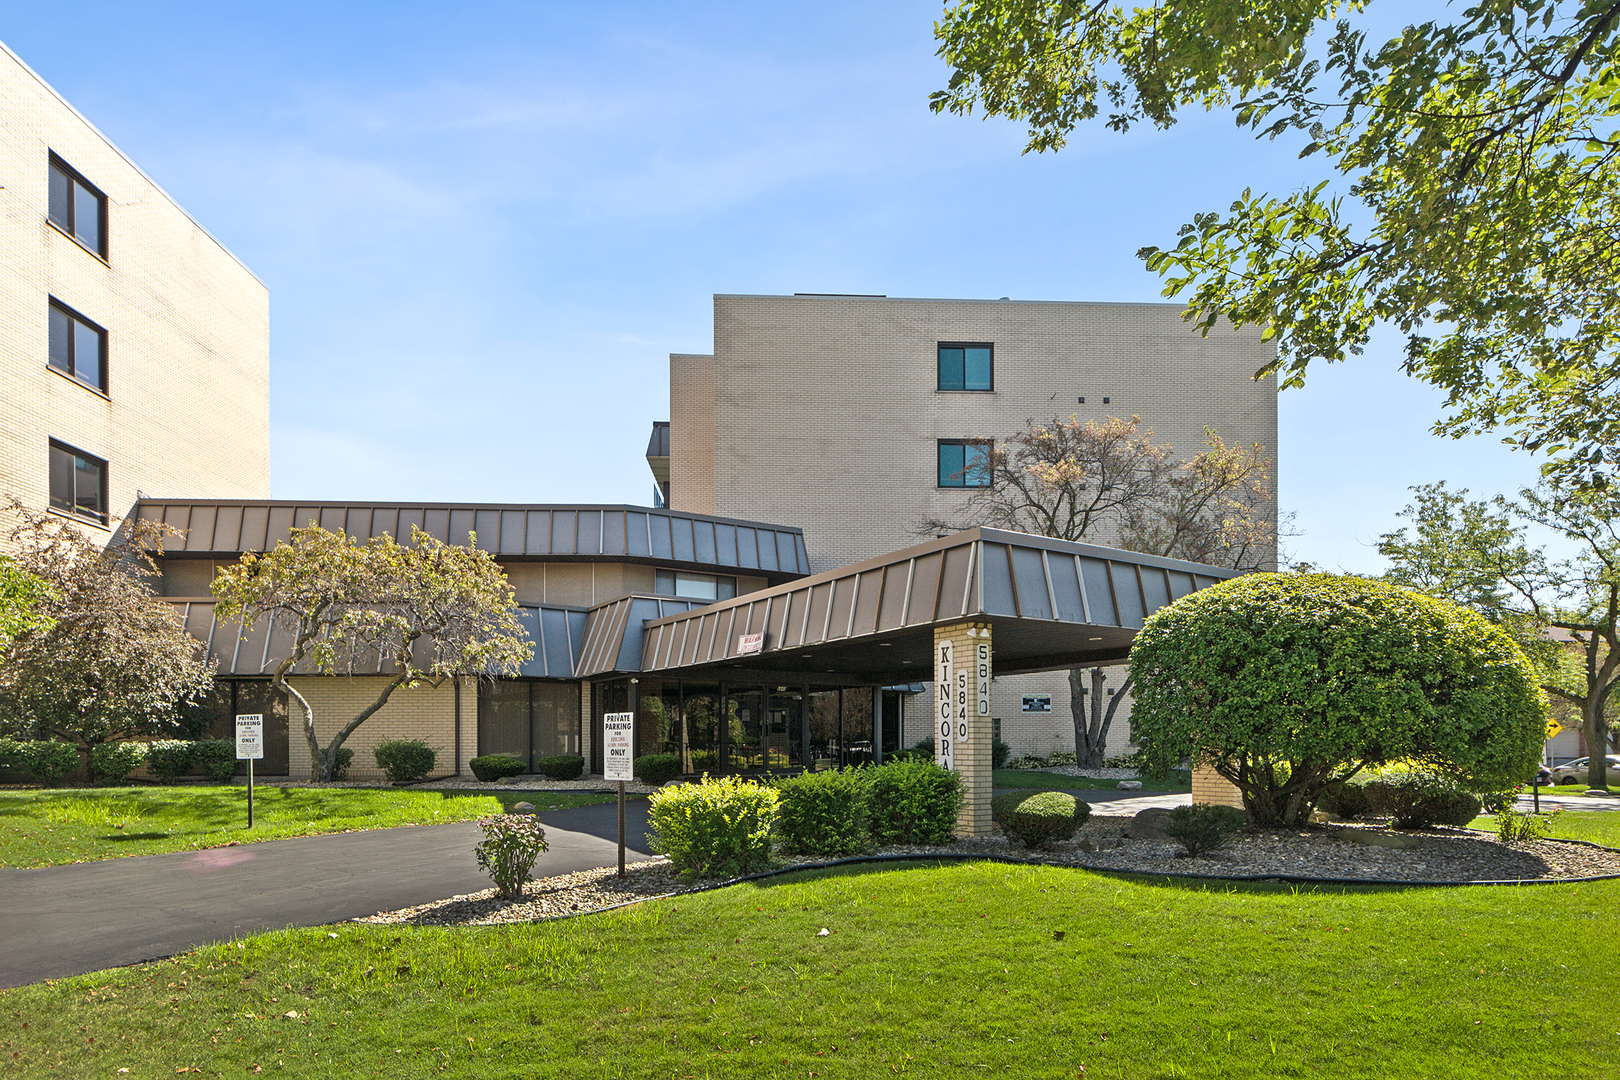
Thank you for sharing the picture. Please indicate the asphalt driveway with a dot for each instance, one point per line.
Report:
(68, 920)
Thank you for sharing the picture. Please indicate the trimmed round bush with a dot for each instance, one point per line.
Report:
(657, 769)
(1286, 683)
(999, 753)
(1203, 827)
(823, 813)
(1417, 801)
(492, 767)
(111, 762)
(1039, 818)
(405, 760)
(1346, 799)
(561, 767)
(912, 802)
(718, 827)
(169, 759)
(215, 759)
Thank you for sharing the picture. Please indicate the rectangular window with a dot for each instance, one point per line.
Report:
(694, 586)
(964, 463)
(966, 366)
(77, 208)
(78, 347)
(78, 483)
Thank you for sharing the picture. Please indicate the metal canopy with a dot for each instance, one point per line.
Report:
(1051, 604)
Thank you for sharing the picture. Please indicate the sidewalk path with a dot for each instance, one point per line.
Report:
(67, 920)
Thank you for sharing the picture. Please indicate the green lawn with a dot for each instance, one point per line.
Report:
(48, 828)
(946, 971)
(1025, 778)
(1598, 826)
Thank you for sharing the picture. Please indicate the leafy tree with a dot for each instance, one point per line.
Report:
(1110, 482)
(1468, 196)
(21, 597)
(1286, 684)
(105, 659)
(429, 610)
(1474, 553)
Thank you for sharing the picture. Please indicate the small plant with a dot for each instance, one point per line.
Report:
(341, 762)
(924, 750)
(1512, 825)
(1203, 827)
(656, 770)
(561, 767)
(718, 827)
(1039, 818)
(111, 762)
(1061, 757)
(1419, 800)
(1027, 761)
(999, 753)
(511, 844)
(169, 759)
(823, 813)
(215, 759)
(405, 760)
(492, 767)
(913, 802)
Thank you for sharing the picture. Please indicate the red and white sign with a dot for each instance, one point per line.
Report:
(750, 643)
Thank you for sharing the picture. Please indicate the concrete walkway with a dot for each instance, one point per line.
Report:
(68, 920)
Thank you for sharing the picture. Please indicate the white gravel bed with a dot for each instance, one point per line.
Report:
(1325, 852)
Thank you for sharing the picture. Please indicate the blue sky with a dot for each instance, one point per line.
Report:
(474, 217)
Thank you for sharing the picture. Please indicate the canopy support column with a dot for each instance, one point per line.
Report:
(962, 670)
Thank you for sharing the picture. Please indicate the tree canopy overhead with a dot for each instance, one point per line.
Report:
(1469, 191)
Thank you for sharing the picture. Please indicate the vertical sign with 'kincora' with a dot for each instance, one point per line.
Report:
(945, 706)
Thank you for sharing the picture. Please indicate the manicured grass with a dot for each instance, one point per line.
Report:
(1028, 778)
(48, 828)
(944, 971)
(1598, 826)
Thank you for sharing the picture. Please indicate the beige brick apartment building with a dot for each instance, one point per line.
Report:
(134, 348)
(849, 415)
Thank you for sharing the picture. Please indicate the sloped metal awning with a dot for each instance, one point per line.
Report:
(558, 634)
(1051, 604)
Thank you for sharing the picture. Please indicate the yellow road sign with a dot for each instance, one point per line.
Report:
(1553, 728)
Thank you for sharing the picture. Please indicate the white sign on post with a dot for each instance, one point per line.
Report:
(250, 737)
(945, 706)
(618, 746)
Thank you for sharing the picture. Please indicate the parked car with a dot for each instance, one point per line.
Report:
(1574, 772)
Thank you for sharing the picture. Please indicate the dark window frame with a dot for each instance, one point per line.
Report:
(939, 372)
(70, 507)
(72, 370)
(68, 223)
(941, 482)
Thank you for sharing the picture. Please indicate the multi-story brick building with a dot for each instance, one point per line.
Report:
(134, 348)
(857, 418)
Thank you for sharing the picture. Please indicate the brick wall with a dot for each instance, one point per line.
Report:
(973, 754)
(424, 712)
(691, 412)
(186, 410)
(1209, 786)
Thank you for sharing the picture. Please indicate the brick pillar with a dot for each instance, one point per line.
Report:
(962, 670)
(1209, 786)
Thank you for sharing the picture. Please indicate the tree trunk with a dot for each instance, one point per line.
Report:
(1091, 725)
(1597, 741)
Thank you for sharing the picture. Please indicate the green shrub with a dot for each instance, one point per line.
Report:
(1270, 677)
(50, 760)
(215, 759)
(1039, 818)
(341, 762)
(1512, 825)
(493, 767)
(823, 813)
(1027, 761)
(1419, 800)
(169, 759)
(561, 767)
(111, 762)
(13, 754)
(405, 760)
(718, 827)
(657, 769)
(1203, 827)
(1061, 757)
(999, 753)
(912, 802)
(511, 844)
(923, 750)
(1346, 799)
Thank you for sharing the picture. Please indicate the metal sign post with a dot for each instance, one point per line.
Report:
(250, 748)
(618, 760)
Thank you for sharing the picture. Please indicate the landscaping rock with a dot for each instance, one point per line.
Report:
(1130, 785)
(1379, 838)
(1149, 824)
(523, 808)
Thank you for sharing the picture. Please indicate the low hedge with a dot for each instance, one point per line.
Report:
(657, 769)
(824, 813)
(492, 767)
(112, 762)
(913, 802)
(561, 767)
(168, 759)
(1039, 818)
(405, 760)
(1419, 800)
(47, 760)
(718, 827)
(215, 759)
